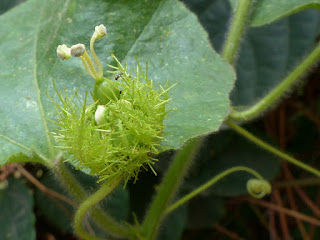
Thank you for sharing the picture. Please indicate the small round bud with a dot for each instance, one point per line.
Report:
(99, 31)
(77, 50)
(98, 116)
(106, 91)
(63, 52)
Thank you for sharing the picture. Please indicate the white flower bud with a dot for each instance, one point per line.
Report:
(77, 50)
(63, 52)
(99, 31)
(98, 116)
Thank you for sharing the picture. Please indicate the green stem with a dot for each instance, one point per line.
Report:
(91, 201)
(271, 149)
(209, 184)
(278, 91)
(104, 220)
(236, 30)
(73, 186)
(92, 71)
(168, 188)
(96, 59)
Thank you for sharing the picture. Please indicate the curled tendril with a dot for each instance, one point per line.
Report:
(258, 188)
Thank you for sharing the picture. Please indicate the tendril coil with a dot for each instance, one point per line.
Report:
(258, 188)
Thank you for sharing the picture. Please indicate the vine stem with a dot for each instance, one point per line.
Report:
(91, 201)
(278, 91)
(271, 149)
(168, 188)
(208, 184)
(103, 219)
(236, 30)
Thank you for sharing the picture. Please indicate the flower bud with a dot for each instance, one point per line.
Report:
(99, 32)
(106, 91)
(98, 116)
(63, 52)
(77, 50)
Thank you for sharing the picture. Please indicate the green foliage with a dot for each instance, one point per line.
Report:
(200, 217)
(30, 62)
(17, 219)
(174, 224)
(267, 11)
(261, 63)
(128, 121)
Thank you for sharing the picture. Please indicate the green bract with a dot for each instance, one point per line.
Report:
(121, 131)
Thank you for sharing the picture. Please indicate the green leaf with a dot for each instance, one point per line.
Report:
(154, 31)
(205, 211)
(267, 11)
(5, 5)
(267, 53)
(173, 225)
(21, 157)
(17, 218)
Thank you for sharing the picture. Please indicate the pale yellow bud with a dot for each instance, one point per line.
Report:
(63, 52)
(77, 50)
(99, 32)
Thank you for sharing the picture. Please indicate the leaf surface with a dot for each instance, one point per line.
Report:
(17, 218)
(162, 32)
(267, 53)
(173, 225)
(5, 5)
(267, 11)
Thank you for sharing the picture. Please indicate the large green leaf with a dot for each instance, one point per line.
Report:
(267, 11)
(162, 32)
(267, 53)
(173, 225)
(205, 211)
(16, 219)
(5, 5)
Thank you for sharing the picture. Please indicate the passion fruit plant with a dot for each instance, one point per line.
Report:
(157, 85)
